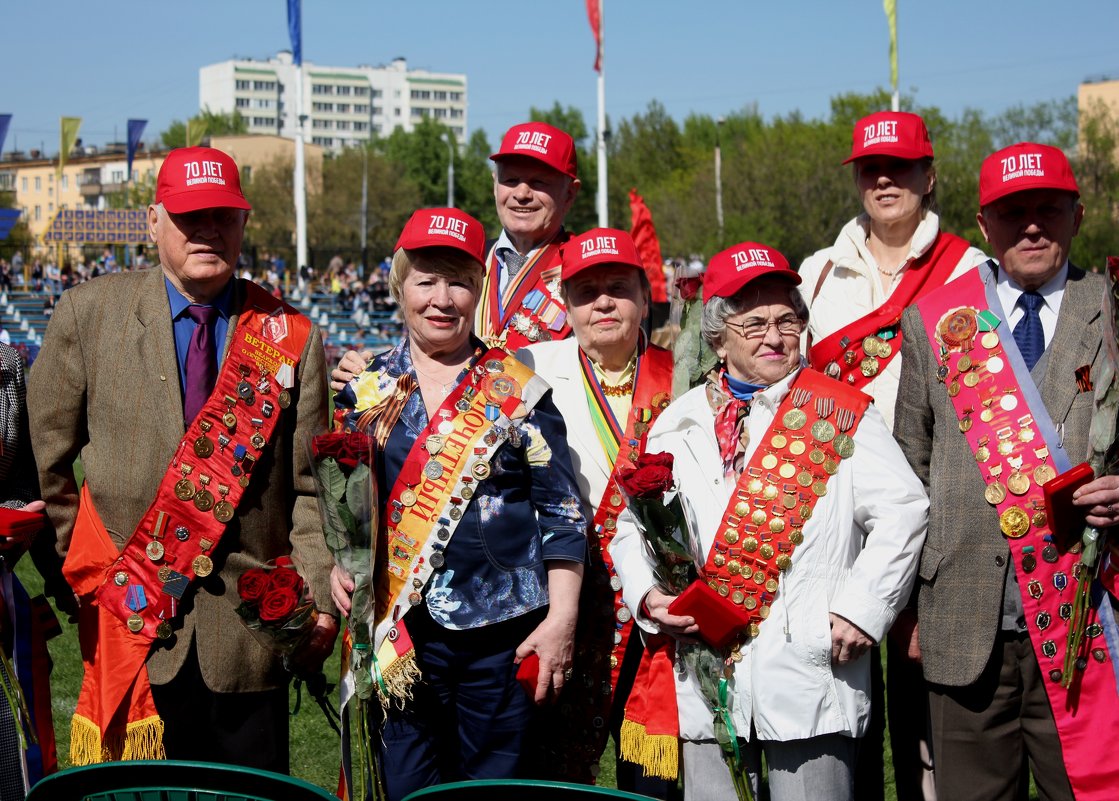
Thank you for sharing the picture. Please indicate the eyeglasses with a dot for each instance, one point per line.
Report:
(755, 328)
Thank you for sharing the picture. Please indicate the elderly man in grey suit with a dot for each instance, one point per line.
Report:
(994, 401)
(181, 390)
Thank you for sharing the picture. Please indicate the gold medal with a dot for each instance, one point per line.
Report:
(1014, 522)
(990, 340)
(202, 566)
(820, 489)
(481, 470)
(741, 508)
(797, 447)
(766, 551)
(769, 461)
(885, 350)
(964, 364)
(720, 560)
(750, 602)
(723, 590)
(1018, 483)
(816, 456)
(203, 446)
(965, 425)
(844, 446)
(787, 470)
(731, 536)
(135, 624)
(763, 611)
(284, 399)
(779, 441)
(789, 501)
(408, 498)
(229, 420)
(759, 577)
(738, 596)
(154, 550)
(223, 511)
(995, 493)
(163, 630)
(982, 453)
(987, 415)
(1039, 519)
(204, 500)
(754, 486)
(1043, 473)
(971, 379)
(784, 562)
(185, 489)
(164, 574)
(257, 441)
(804, 478)
(750, 544)
(794, 419)
(796, 536)
(953, 389)
(831, 467)
(734, 567)
(823, 431)
(869, 366)
(870, 345)
(770, 492)
(758, 517)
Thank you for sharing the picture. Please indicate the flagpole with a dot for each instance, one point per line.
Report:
(299, 183)
(603, 215)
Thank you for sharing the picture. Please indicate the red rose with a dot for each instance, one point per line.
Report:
(252, 585)
(650, 478)
(283, 561)
(284, 578)
(348, 449)
(277, 605)
(688, 287)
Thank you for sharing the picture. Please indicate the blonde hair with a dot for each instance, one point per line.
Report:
(449, 262)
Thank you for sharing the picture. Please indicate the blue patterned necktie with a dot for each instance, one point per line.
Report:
(1028, 333)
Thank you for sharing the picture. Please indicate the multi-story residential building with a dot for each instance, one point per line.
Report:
(341, 105)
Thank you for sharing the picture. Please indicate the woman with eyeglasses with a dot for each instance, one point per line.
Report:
(809, 524)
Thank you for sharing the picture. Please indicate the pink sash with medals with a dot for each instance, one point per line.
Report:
(432, 492)
(1017, 450)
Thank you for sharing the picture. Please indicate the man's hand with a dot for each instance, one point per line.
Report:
(1101, 496)
(553, 641)
(656, 604)
(352, 364)
(309, 658)
(848, 641)
(904, 634)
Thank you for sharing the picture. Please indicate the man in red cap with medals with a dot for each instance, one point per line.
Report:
(181, 390)
(995, 400)
(535, 182)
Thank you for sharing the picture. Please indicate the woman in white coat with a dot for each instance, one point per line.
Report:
(839, 518)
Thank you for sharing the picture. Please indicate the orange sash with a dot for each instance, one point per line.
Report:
(129, 599)
(529, 310)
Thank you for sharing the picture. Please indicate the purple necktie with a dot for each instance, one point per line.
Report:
(201, 361)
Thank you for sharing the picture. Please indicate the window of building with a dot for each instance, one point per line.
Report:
(264, 86)
(38, 212)
(38, 183)
(242, 102)
(322, 89)
(456, 97)
(118, 177)
(264, 122)
(345, 90)
(262, 103)
(456, 114)
(420, 112)
(361, 91)
(50, 208)
(361, 126)
(440, 96)
(65, 182)
(377, 93)
(242, 86)
(343, 125)
(361, 108)
(23, 183)
(322, 125)
(457, 130)
(322, 106)
(325, 141)
(378, 111)
(421, 94)
(395, 113)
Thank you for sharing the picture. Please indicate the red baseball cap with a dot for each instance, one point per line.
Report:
(193, 178)
(1023, 166)
(599, 246)
(735, 267)
(891, 133)
(543, 142)
(444, 228)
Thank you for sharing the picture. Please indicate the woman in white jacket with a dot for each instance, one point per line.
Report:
(799, 687)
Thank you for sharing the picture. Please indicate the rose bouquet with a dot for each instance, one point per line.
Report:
(343, 463)
(275, 605)
(662, 517)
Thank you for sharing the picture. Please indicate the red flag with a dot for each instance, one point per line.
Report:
(594, 14)
(648, 246)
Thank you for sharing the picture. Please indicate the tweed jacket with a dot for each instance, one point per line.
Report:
(105, 388)
(965, 560)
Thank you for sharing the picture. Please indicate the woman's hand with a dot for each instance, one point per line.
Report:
(1101, 496)
(848, 641)
(655, 606)
(352, 364)
(341, 588)
(553, 641)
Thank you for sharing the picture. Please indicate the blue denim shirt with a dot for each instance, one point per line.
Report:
(526, 513)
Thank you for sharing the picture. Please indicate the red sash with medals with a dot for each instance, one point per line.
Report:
(1015, 444)
(858, 352)
(777, 491)
(530, 309)
(434, 487)
(138, 591)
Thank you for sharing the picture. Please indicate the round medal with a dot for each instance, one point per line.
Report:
(284, 399)
(750, 602)
(408, 498)
(204, 500)
(796, 536)
(1039, 519)
(759, 577)
(965, 425)
(741, 508)
(844, 446)
(182, 533)
(1008, 402)
(982, 453)
(766, 551)
(816, 456)
(495, 366)
(995, 493)
(731, 536)
(154, 550)
(784, 562)
(623, 615)
(734, 567)
(750, 544)
(942, 373)
(1029, 563)
(787, 470)
(434, 470)
(870, 345)
(229, 420)
(223, 511)
(164, 574)
(120, 578)
(1018, 483)
(804, 478)
(971, 379)
(163, 630)
(794, 419)
(184, 489)
(779, 441)
(1014, 522)
(480, 471)
(831, 467)
(437, 560)
(758, 517)
(987, 415)
(869, 366)
(820, 489)
(771, 585)
(995, 365)
(203, 446)
(953, 389)
(1044, 473)
(135, 624)
(738, 596)
(202, 566)
(615, 583)
(257, 441)
(443, 534)
(1050, 554)
(797, 447)
(769, 461)
(964, 364)
(990, 341)
(885, 350)
(823, 431)
(957, 327)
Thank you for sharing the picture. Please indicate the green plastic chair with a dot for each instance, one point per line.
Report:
(169, 780)
(518, 790)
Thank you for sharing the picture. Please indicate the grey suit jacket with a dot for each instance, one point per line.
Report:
(105, 388)
(965, 560)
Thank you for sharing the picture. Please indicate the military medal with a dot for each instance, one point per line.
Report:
(184, 487)
(257, 439)
(284, 399)
(202, 565)
(223, 509)
(204, 499)
(1014, 522)
(203, 445)
(229, 419)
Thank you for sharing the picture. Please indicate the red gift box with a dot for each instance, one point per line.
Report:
(1066, 520)
(720, 622)
(20, 525)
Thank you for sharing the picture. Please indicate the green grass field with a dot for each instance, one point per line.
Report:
(314, 745)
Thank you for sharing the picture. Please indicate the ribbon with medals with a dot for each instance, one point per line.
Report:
(436, 484)
(138, 591)
(530, 309)
(812, 432)
(1017, 449)
(858, 352)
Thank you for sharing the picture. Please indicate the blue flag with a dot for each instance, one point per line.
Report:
(295, 30)
(135, 131)
(4, 120)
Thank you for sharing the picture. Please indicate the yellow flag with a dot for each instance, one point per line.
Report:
(69, 138)
(891, 7)
(196, 129)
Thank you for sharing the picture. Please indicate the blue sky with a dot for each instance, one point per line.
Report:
(111, 61)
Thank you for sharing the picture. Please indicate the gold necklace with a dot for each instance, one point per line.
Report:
(617, 391)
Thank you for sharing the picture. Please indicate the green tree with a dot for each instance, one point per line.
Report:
(423, 156)
(474, 181)
(1097, 175)
(217, 123)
